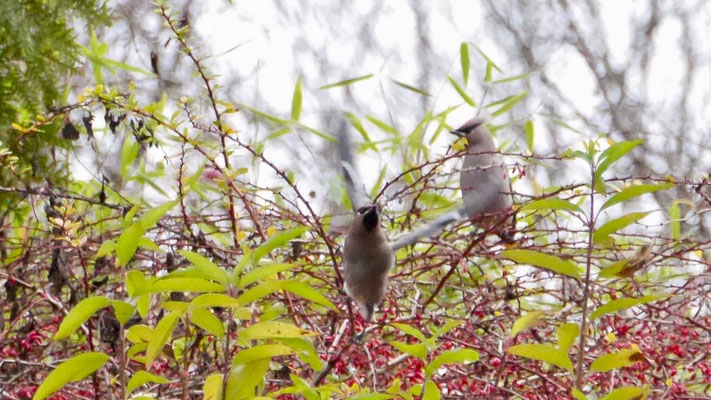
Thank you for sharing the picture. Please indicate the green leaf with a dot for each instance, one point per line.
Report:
(80, 314)
(206, 267)
(462, 93)
(277, 240)
(634, 191)
(513, 78)
(149, 219)
(123, 311)
(299, 288)
(136, 283)
(128, 243)
(543, 352)
(415, 333)
(262, 272)
(675, 219)
(489, 72)
(379, 183)
(510, 103)
(142, 377)
(214, 300)
(451, 357)
(274, 329)
(347, 82)
(578, 395)
(161, 335)
(296, 101)
(619, 359)
(431, 391)
(525, 321)
(194, 285)
(418, 350)
(464, 60)
(620, 304)
(528, 134)
(612, 154)
(382, 125)
(212, 389)
(260, 352)
(628, 393)
(266, 116)
(244, 378)
(612, 226)
(551, 204)
(206, 320)
(566, 335)
(541, 260)
(358, 125)
(410, 87)
(72, 370)
(106, 248)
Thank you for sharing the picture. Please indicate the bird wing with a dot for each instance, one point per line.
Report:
(354, 187)
(431, 228)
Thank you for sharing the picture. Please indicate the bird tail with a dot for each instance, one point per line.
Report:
(367, 311)
(431, 228)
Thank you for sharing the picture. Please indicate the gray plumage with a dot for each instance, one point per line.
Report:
(368, 257)
(484, 181)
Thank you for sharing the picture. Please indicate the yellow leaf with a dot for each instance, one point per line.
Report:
(610, 337)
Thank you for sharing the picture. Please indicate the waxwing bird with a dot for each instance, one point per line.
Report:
(486, 189)
(368, 256)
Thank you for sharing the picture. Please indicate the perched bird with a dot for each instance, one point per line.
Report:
(486, 189)
(368, 256)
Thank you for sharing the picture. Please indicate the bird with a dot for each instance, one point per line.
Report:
(368, 255)
(484, 181)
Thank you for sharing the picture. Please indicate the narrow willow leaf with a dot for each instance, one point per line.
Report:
(418, 350)
(635, 191)
(551, 204)
(543, 352)
(528, 134)
(616, 224)
(142, 377)
(266, 116)
(451, 357)
(244, 379)
(123, 311)
(379, 183)
(489, 72)
(260, 352)
(513, 78)
(462, 93)
(620, 304)
(619, 359)
(263, 272)
(628, 393)
(526, 321)
(212, 389)
(274, 329)
(674, 219)
(546, 261)
(206, 320)
(567, 333)
(296, 100)
(465, 61)
(382, 125)
(510, 103)
(278, 240)
(487, 58)
(208, 269)
(161, 335)
(559, 122)
(80, 314)
(612, 154)
(410, 87)
(358, 125)
(193, 285)
(72, 370)
(316, 132)
(347, 82)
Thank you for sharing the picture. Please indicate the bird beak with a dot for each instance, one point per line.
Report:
(458, 133)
